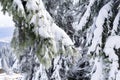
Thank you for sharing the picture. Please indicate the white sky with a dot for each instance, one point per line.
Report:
(6, 22)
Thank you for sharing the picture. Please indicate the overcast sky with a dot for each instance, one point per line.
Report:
(6, 27)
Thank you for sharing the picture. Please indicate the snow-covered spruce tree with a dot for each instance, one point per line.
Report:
(61, 11)
(7, 58)
(93, 24)
(37, 33)
(104, 55)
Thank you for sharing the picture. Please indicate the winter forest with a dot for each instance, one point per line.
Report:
(62, 40)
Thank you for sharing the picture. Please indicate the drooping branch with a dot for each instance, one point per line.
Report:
(35, 27)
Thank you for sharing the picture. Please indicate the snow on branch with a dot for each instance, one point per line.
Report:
(111, 50)
(104, 13)
(35, 26)
(116, 23)
(85, 17)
